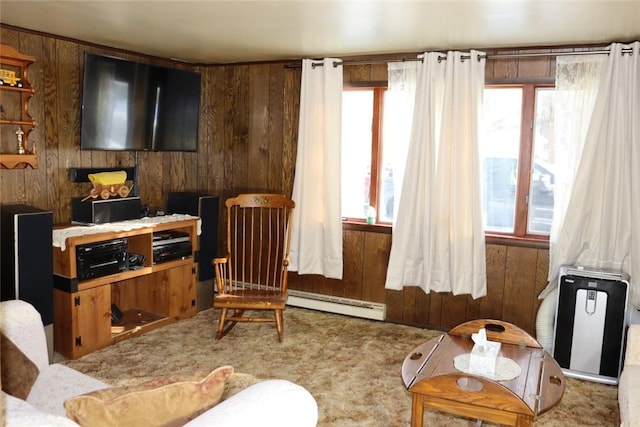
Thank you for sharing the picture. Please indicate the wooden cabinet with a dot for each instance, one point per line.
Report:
(15, 122)
(148, 297)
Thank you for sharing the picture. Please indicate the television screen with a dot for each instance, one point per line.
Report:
(128, 105)
(176, 105)
(114, 104)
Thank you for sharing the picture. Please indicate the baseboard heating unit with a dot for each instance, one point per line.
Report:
(338, 305)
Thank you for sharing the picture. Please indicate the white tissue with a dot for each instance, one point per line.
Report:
(484, 355)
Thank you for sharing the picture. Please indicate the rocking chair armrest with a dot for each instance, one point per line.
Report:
(222, 260)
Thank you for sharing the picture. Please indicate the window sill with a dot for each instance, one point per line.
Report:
(528, 242)
(490, 238)
(363, 226)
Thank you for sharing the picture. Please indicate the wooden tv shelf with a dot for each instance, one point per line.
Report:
(149, 297)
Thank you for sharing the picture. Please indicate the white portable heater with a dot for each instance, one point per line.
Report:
(590, 323)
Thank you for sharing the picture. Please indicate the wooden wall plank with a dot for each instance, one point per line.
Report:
(291, 112)
(229, 187)
(353, 258)
(275, 129)
(214, 136)
(535, 67)
(395, 305)
(35, 180)
(491, 305)
(421, 308)
(356, 73)
(454, 310)
(435, 308)
(410, 312)
(379, 72)
(504, 68)
(242, 169)
(258, 147)
(68, 123)
(374, 267)
(519, 287)
(50, 124)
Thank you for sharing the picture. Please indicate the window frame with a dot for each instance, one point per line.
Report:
(379, 89)
(525, 156)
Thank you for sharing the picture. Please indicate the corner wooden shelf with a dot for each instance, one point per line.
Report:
(18, 161)
(16, 91)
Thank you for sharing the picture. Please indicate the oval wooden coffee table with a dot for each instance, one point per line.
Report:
(429, 374)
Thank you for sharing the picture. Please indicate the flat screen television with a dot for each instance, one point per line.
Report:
(128, 105)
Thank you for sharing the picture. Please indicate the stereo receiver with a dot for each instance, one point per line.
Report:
(102, 258)
(171, 245)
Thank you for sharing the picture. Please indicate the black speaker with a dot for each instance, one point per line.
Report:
(206, 207)
(27, 257)
(102, 211)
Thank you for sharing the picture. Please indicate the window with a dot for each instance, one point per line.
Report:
(375, 138)
(516, 149)
(517, 160)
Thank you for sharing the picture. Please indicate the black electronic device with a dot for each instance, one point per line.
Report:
(103, 211)
(26, 271)
(128, 105)
(171, 245)
(590, 323)
(101, 258)
(206, 207)
(136, 260)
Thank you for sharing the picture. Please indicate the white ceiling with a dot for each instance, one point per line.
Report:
(216, 31)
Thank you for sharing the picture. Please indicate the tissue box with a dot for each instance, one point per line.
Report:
(483, 359)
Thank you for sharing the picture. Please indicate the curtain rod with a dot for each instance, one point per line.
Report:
(494, 56)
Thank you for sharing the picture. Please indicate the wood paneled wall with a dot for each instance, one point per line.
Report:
(247, 133)
(247, 142)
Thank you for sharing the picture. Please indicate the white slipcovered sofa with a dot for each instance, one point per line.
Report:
(629, 382)
(266, 403)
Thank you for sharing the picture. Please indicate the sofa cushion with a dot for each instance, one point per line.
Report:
(19, 373)
(168, 401)
(269, 403)
(628, 392)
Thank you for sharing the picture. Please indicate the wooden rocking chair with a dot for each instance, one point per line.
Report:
(253, 275)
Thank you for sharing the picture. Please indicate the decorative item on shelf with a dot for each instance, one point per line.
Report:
(108, 184)
(2, 113)
(19, 134)
(8, 77)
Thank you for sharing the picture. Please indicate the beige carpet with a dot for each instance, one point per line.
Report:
(351, 366)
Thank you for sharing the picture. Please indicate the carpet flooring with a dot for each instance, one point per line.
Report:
(351, 366)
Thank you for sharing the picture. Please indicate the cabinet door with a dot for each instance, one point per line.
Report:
(82, 320)
(181, 285)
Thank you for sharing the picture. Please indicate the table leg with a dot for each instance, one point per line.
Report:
(417, 410)
(524, 421)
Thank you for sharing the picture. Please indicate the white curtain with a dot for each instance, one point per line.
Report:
(438, 237)
(316, 240)
(600, 228)
(577, 80)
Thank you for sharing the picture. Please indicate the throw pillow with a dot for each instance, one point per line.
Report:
(19, 373)
(168, 401)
